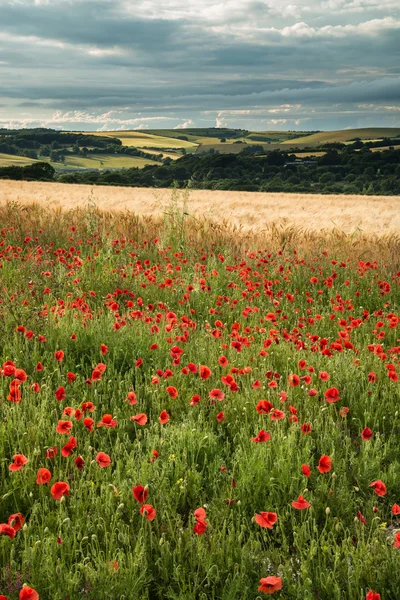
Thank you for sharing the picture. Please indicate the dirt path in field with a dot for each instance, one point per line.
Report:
(250, 210)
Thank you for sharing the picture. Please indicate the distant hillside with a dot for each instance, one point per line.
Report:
(346, 135)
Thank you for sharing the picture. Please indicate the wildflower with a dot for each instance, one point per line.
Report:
(16, 521)
(140, 419)
(262, 436)
(301, 503)
(6, 529)
(325, 464)
(103, 460)
(266, 519)
(164, 417)
(366, 433)
(305, 469)
(43, 476)
(19, 460)
(379, 487)
(28, 593)
(140, 493)
(270, 584)
(59, 489)
(148, 511)
(332, 395)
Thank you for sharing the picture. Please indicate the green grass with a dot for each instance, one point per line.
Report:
(151, 294)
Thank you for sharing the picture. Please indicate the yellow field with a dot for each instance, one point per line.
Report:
(105, 161)
(370, 133)
(244, 210)
(7, 160)
(140, 139)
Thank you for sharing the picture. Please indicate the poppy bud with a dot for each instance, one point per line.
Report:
(327, 511)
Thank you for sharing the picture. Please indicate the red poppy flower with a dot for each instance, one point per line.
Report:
(325, 464)
(204, 372)
(306, 428)
(59, 489)
(220, 417)
(20, 375)
(312, 392)
(140, 493)
(60, 393)
(88, 423)
(19, 460)
(361, 518)
(154, 456)
(172, 391)
(64, 427)
(59, 355)
(148, 511)
(71, 376)
(266, 519)
(264, 407)
(301, 503)
(16, 521)
(200, 527)
(367, 434)
(103, 349)
(69, 447)
(395, 509)
(262, 436)
(140, 419)
(223, 361)
(131, 398)
(324, 376)
(294, 380)
(103, 460)
(396, 543)
(6, 529)
(79, 463)
(43, 476)
(217, 394)
(164, 417)
(379, 487)
(107, 421)
(51, 452)
(371, 595)
(28, 593)
(305, 469)
(277, 415)
(332, 395)
(195, 400)
(270, 584)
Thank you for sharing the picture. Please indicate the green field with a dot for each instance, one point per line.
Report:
(189, 412)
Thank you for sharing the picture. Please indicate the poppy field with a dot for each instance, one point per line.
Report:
(194, 416)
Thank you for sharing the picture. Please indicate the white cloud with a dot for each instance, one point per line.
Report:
(185, 125)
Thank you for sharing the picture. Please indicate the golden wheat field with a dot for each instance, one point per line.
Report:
(247, 210)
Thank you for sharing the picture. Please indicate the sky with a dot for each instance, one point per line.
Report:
(101, 65)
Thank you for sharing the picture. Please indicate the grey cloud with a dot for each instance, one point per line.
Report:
(188, 64)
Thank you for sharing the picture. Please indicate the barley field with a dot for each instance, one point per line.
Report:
(246, 210)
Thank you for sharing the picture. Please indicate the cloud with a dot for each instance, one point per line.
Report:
(101, 64)
(185, 125)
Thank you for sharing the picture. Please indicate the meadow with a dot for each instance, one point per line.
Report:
(194, 411)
